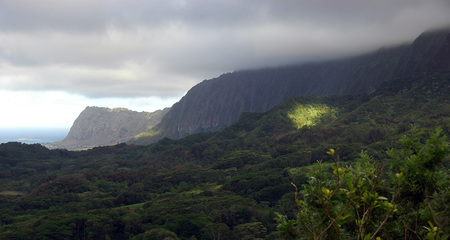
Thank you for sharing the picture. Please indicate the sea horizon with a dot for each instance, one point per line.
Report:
(32, 135)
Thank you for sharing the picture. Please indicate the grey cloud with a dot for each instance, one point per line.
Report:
(93, 16)
(125, 48)
(26, 15)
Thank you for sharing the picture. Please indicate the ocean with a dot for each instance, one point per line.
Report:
(31, 135)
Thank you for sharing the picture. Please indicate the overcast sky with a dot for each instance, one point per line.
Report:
(59, 56)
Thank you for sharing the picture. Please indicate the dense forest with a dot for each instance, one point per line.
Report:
(369, 166)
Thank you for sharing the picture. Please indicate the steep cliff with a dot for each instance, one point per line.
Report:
(216, 103)
(97, 126)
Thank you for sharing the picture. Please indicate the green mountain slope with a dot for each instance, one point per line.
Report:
(228, 183)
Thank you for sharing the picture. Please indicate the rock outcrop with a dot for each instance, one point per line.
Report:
(98, 126)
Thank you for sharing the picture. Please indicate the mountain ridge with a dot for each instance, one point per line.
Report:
(216, 103)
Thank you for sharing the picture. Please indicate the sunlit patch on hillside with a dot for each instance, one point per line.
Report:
(147, 133)
(11, 193)
(309, 114)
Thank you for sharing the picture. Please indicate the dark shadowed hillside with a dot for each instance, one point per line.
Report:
(216, 103)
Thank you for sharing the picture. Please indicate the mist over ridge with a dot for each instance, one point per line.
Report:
(216, 103)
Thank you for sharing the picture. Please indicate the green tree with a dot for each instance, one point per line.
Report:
(157, 234)
(217, 231)
(357, 201)
(425, 193)
(247, 231)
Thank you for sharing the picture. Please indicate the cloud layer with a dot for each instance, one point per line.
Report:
(137, 48)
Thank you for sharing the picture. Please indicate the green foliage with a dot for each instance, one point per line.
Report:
(308, 115)
(419, 163)
(239, 159)
(247, 231)
(349, 202)
(157, 234)
(186, 225)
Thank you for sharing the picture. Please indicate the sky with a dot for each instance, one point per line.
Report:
(59, 56)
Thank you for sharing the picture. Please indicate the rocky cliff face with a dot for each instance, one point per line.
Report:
(97, 126)
(216, 103)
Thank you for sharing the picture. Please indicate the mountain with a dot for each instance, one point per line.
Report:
(232, 182)
(98, 126)
(216, 103)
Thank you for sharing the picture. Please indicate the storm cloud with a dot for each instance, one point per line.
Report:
(137, 48)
